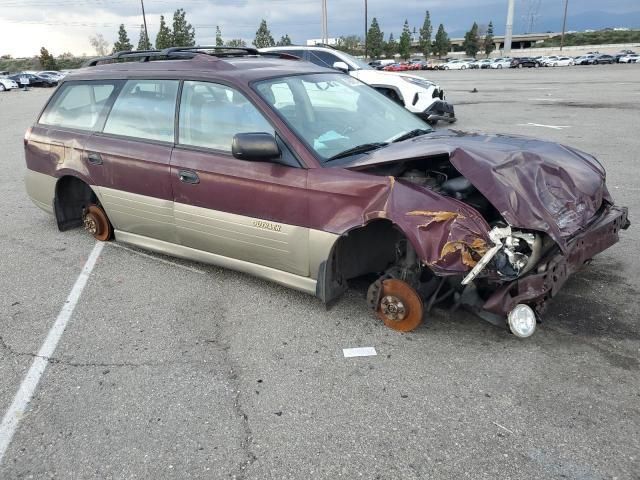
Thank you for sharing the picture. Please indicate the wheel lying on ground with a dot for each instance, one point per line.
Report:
(97, 223)
(399, 305)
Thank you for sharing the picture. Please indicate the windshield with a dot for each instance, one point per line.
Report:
(335, 113)
(360, 65)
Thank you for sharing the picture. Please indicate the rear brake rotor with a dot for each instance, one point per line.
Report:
(399, 305)
(96, 223)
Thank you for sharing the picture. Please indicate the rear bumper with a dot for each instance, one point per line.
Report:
(439, 110)
(536, 288)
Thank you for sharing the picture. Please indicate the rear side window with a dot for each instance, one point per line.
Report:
(144, 109)
(211, 114)
(78, 106)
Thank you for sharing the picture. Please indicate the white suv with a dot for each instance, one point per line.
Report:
(416, 94)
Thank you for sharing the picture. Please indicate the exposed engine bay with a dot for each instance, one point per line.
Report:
(514, 252)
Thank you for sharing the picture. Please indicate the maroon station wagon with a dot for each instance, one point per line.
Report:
(279, 168)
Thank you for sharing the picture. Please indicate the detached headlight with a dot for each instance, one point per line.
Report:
(421, 82)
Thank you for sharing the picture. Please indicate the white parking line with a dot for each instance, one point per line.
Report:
(157, 259)
(28, 386)
(555, 127)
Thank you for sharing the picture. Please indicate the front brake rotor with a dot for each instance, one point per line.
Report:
(399, 305)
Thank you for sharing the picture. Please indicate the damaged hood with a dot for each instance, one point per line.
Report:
(534, 184)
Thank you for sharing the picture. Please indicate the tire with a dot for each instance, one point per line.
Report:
(463, 67)
(555, 64)
(2, 88)
(595, 62)
(499, 66)
(535, 65)
(519, 65)
(445, 68)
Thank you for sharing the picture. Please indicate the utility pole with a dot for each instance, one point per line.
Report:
(508, 30)
(366, 26)
(564, 23)
(144, 19)
(325, 33)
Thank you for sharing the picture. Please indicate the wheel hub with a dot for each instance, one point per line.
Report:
(90, 224)
(393, 308)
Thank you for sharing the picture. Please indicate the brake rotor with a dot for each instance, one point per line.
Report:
(400, 306)
(96, 223)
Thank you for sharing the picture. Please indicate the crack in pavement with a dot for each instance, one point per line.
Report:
(69, 363)
(232, 378)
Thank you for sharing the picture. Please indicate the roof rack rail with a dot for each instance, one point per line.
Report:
(184, 52)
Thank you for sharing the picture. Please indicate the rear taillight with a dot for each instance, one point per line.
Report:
(27, 136)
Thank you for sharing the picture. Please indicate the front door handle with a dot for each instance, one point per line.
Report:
(94, 158)
(188, 176)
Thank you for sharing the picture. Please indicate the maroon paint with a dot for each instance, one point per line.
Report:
(534, 184)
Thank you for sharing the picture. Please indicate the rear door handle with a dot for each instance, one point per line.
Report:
(188, 176)
(94, 158)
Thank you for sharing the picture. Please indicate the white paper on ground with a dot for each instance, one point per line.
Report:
(359, 352)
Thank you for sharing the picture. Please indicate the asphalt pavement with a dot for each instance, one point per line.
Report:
(173, 369)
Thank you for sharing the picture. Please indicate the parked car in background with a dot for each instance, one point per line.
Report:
(603, 59)
(484, 63)
(631, 58)
(623, 53)
(52, 74)
(585, 59)
(500, 63)
(380, 64)
(559, 62)
(457, 64)
(7, 84)
(528, 62)
(417, 94)
(34, 80)
(396, 67)
(547, 61)
(307, 177)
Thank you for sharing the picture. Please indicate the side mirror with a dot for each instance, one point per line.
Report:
(341, 66)
(255, 147)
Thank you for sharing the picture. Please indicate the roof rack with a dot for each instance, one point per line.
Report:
(184, 52)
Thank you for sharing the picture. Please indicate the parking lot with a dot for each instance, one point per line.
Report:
(171, 369)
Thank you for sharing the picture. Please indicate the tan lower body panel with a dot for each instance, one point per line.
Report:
(140, 214)
(304, 284)
(280, 246)
(41, 188)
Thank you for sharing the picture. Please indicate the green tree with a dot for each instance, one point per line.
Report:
(425, 35)
(404, 45)
(471, 43)
(284, 41)
(350, 44)
(263, 36)
(123, 44)
(489, 46)
(184, 35)
(375, 39)
(143, 41)
(47, 61)
(219, 41)
(442, 44)
(164, 37)
(390, 47)
(236, 42)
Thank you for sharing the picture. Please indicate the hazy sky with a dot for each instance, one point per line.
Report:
(65, 25)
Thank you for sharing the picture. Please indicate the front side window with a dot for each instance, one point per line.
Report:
(78, 106)
(334, 113)
(144, 109)
(211, 114)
